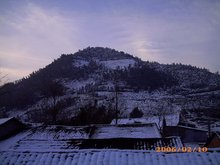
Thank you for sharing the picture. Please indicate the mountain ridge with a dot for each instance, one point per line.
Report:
(99, 69)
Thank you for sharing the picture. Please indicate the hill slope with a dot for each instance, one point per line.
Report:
(96, 72)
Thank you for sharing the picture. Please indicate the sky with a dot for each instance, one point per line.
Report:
(34, 33)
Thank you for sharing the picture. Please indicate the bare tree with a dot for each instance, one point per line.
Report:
(3, 78)
(3, 81)
(119, 104)
(164, 108)
(52, 90)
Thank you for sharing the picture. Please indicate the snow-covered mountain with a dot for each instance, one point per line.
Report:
(95, 72)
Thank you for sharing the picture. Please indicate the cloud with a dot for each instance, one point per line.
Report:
(38, 37)
(176, 31)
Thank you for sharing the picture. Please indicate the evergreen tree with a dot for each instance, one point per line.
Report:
(136, 113)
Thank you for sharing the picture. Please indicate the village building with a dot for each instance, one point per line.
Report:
(98, 144)
(171, 120)
(213, 141)
(137, 130)
(9, 127)
(187, 134)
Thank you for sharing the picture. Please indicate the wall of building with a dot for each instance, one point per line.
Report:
(186, 134)
(215, 143)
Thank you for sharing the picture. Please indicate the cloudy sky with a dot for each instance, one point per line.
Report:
(34, 33)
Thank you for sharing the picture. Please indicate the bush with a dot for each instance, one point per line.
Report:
(93, 115)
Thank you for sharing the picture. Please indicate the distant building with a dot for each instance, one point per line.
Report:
(187, 134)
(10, 126)
(126, 131)
(171, 120)
(213, 141)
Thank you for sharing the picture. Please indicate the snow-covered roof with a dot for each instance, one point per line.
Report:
(186, 127)
(53, 138)
(4, 120)
(127, 131)
(109, 157)
(52, 145)
(59, 137)
(45, 138)
(58, 133)
(171, 120)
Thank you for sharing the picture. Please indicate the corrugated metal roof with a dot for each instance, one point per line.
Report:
(108, 157)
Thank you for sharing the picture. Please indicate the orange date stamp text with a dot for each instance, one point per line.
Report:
(181, 149)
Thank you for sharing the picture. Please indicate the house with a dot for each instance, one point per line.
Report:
(213, 141)
(187, 134)
(9, 127)
(143, 137)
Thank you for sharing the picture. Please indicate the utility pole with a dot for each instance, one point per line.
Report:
(209, 128)
(116, 104)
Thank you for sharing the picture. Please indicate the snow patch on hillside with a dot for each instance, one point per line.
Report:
(122, 63)
(80, 63)
(77, 84)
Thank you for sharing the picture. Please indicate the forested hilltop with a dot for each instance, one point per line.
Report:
(95, 73)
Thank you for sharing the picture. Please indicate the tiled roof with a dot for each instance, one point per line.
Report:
(127, 143)
(28, 143)
(108, 157)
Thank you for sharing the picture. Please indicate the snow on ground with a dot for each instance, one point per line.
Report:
(109, 157)
(122, 63)
(145, 101)
(216, 129)
(14, 112)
